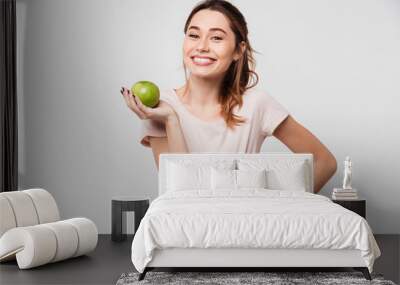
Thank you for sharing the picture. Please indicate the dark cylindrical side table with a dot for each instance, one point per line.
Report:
(358, 206)
(121, 204)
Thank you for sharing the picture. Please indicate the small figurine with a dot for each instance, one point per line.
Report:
(347, 173)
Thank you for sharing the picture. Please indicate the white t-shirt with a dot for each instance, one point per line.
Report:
(262, 111)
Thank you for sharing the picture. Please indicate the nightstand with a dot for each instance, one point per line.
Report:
(121, 204)
(357, 206)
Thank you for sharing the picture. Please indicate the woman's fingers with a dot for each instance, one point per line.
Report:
(130, 101)
(124, 93)
(141, 106)
(124, 90)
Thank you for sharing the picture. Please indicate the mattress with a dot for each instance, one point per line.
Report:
(250, 218)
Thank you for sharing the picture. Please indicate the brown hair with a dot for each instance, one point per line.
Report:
(240, 73)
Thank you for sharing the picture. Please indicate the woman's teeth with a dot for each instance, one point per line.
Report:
(203, 60)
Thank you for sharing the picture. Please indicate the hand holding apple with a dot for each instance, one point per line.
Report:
(162, 112)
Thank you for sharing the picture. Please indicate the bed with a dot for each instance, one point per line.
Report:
(241, 211)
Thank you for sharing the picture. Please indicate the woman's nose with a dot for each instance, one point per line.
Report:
(203, 45)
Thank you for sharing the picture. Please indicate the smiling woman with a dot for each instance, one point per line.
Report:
(218, 109)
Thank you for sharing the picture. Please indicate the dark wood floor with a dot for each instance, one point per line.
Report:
(111, 259)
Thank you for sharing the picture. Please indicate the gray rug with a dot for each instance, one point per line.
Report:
(229, 278)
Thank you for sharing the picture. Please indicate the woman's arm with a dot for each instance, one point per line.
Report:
(158, 145)
(163, 112)
(174, 142)
(299, 140)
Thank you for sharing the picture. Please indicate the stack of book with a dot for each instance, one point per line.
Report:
(344, 194)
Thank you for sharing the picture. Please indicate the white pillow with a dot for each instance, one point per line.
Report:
(281, 174)
(184, 177)
(223, 179)
(288, 179)
(237, 179)
(186, 174)
(251, 178)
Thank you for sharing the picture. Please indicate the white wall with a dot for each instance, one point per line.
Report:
(335, 65)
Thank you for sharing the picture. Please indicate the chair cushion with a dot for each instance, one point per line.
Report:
(23, 208)
(45, 205)
(40, 244)
(27, 208)
(7, 215)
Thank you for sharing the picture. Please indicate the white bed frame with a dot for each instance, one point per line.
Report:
(249, 257)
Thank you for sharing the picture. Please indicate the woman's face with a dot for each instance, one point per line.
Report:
(209, 45)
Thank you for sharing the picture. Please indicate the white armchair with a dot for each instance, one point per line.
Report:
(32, 233)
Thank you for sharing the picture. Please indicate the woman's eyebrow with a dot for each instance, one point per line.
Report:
(212, 29)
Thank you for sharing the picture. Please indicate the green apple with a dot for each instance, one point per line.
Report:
(147, 92)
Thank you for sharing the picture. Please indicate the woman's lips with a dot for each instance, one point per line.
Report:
(202, 61)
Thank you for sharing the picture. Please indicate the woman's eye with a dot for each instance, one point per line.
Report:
(196, 36)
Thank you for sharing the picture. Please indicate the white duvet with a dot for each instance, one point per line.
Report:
(250, 218)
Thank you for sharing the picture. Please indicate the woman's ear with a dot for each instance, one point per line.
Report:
(242, 49)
